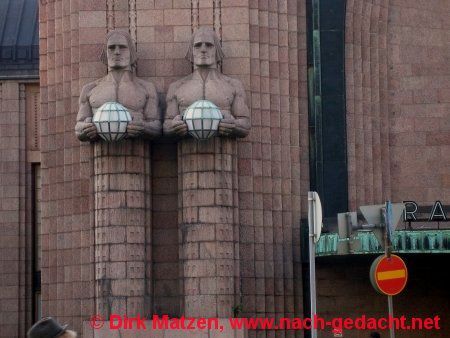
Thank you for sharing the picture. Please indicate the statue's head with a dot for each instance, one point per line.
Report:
(120, 51)
(205, 49)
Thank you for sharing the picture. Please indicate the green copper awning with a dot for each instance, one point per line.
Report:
(365, 242)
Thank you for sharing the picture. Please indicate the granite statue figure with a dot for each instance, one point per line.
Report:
(123, 86)
(207, 83)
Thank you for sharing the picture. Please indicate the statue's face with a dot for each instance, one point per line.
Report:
(204, 50)
(118, 52)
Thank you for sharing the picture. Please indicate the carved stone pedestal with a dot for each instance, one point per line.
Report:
(122, 227)
(208, 218)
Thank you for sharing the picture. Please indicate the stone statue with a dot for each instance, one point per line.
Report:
(120, 85)
(207, 83)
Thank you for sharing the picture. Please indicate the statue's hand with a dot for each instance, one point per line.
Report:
(227, 127)
(135, 128)
(178, 126)
(87, 130)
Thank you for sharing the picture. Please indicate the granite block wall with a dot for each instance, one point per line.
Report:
(265, 47)
(397, 79)
(16, 218)
(418, 105)
(397, 72)
(69, 45)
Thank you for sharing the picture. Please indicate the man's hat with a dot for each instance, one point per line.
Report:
(46, 328)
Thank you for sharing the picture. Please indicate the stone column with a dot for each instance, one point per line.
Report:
(122, 227)
(208, 214)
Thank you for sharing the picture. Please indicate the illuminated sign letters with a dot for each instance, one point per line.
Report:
(412, 210)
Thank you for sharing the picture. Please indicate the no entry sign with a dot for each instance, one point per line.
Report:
(388, 275)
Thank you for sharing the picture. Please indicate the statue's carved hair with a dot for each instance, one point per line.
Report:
(205, 30)
(130, 43)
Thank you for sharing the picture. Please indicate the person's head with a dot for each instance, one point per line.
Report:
(205, 49)
(69, 334)
(375, 335)
(50, 328)
(120, 51)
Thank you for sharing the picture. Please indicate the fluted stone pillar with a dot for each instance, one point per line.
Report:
(122, 227)
(208, 214)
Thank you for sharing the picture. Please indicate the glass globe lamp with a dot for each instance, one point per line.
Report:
(111, 120)
(202, 118)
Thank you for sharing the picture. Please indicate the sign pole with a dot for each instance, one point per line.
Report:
(388, 249)
(312, 263)
(388, 273)
(391, 315)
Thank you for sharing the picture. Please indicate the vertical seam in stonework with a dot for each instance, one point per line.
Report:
(360, 159)
(110, 18)
(222, 174)
(350, 95)
(254, 50)
(377, 190)
(386, 163)
(194, 19)
(278, 247)
(22, 232)
(181, 227)
(35, 121)
(263, 279)
(132, 17)
(148, 202)
(370, 184)
(235, 190)
(217, 18)
(194, 15)
(217, 22)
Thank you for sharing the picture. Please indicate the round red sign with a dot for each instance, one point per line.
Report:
(388, 275)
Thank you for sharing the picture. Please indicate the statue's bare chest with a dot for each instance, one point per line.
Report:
(127, 93)
(217, 91)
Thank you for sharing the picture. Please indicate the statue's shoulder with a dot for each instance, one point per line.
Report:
(88, 87)
(93, 84)
(236, 84)
(148, 86)
(174, 86)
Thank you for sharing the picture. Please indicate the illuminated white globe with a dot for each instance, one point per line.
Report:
(202, 118)
(111, 120)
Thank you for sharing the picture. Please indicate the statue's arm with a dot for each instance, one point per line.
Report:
(240, 125)
(152, 122)
(173, 123)
(85, 128)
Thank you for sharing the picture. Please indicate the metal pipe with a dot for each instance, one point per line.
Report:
(312, 264)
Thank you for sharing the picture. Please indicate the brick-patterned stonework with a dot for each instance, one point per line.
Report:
(397, 70)
(70, 42)
(271, 174)
(209, 236)
(123, 273)
(419, 97)
(264, 43)
(366, 66)
(397, 118)
(15, 210)
(397, 77)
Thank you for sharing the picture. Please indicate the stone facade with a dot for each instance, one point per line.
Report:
(397, 72)
(397, 78)
(260, 41)
(19, 150)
